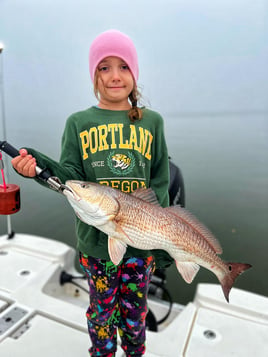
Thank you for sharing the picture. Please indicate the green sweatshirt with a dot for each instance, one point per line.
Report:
(104, 146)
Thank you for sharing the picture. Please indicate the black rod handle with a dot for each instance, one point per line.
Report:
(8, 149)
(13, 152)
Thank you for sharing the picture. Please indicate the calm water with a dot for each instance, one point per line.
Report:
(224, 161)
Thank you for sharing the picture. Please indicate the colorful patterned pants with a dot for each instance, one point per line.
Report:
(118, 299)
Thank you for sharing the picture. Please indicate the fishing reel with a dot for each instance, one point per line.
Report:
(9, 194)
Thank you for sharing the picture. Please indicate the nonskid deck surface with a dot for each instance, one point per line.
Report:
(38, 316)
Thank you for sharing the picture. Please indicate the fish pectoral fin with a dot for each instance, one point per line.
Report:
(117, 250)
(188, 270)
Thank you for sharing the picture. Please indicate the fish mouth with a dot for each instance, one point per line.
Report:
(69, 192)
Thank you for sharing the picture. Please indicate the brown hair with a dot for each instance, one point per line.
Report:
(134, 113)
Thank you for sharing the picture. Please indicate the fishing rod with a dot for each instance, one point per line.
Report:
(9, 226)
(10, 193)
(43, 174)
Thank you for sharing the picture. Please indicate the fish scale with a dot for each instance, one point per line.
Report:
(152, 217)
(188, 244)
(138, 220)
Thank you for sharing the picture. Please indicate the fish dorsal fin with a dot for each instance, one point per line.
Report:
(147, 195)
(188, 270)
(192, 221)
(117, 250)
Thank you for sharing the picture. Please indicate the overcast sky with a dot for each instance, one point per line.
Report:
(194, 55)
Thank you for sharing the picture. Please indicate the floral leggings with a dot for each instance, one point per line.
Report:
(118, 298)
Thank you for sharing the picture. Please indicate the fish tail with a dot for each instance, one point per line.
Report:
(235, 269)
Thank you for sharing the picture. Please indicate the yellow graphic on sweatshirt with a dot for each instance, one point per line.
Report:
(126, 186)
(112, 136)
(120, 164)
(121, 161)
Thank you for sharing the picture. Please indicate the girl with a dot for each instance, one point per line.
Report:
(115, 143)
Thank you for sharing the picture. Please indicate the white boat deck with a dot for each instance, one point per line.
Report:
(39, 317)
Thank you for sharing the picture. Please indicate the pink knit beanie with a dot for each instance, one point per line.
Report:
(113, 43)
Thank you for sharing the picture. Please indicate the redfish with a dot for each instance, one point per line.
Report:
(138, 220)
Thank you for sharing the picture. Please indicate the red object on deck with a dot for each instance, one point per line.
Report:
(9, 199)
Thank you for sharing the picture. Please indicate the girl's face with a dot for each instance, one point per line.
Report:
(114, 83)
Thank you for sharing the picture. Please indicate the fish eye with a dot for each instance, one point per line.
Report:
(84, 185)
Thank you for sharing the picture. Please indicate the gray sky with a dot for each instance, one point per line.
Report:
(194, 55)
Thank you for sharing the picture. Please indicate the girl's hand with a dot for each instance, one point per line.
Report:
(25, 164)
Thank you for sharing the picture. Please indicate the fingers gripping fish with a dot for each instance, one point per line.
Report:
(138, 220)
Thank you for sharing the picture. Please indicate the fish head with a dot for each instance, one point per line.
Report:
(93, 203)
